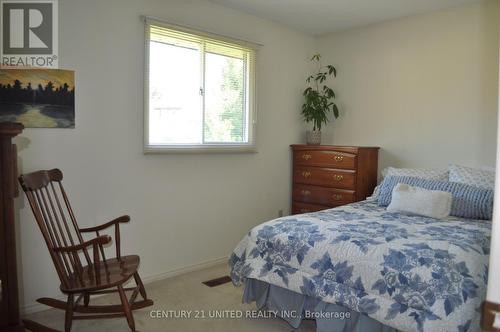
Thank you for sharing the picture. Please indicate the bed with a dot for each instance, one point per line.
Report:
(403, 272)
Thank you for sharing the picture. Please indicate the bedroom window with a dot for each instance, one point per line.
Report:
(199, 91)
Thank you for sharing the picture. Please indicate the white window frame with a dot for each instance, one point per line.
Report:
(250, 146)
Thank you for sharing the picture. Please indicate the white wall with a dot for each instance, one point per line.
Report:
(185, 209)
(493, 294)
(423, 88)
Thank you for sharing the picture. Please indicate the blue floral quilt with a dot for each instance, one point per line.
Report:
(409, 272)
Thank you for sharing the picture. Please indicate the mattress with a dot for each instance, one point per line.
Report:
(406, 271)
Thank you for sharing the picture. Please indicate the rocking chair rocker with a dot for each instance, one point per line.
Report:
(96, 275)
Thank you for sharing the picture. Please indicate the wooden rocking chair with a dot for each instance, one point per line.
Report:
(67, 248)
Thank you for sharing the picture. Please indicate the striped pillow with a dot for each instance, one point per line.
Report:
(468, 201)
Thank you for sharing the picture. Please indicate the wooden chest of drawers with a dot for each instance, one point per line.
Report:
(326, 176)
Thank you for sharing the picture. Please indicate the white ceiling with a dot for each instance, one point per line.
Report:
(322, 16)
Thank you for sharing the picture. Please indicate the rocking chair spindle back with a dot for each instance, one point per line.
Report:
(81, 265)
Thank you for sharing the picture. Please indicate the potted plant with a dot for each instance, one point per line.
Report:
(319, 100)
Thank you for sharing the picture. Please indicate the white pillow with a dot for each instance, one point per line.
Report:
(430, 203)
(424, 173)
(479, 177)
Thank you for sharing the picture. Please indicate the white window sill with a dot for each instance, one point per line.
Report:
(199, 149)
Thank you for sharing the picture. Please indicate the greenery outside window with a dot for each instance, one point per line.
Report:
(199, 91)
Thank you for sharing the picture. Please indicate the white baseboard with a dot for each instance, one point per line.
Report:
(37, 307)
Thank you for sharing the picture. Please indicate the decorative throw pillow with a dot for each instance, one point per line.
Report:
(468, 201)
(479, 177)
(429, 203)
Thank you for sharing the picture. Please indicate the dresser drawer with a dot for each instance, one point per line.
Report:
(298, 207)
(325, 158)
(326, 177)
(324, 196)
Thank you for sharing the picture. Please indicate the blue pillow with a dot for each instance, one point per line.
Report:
(468, 201)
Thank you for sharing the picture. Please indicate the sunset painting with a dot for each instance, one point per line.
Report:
(38, 98)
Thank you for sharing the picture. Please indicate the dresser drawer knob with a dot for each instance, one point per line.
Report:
(306, 174)
(337, 177)
(337, 197)
(338, 158)
(305, 192)
(306, 156)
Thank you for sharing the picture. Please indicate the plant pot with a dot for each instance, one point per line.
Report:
(313, 137)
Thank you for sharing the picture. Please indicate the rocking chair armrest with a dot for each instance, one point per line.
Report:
(122, 219)
(100, 240)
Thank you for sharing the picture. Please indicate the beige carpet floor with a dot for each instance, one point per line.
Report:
(185, 292)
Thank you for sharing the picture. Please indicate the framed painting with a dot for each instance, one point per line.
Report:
(38, 98)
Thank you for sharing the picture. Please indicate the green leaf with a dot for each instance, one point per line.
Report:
(316, 57)
(331, 69)
(329, 92)
(335, 111)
